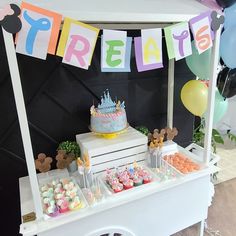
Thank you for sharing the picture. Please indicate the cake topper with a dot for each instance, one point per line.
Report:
(107, 105)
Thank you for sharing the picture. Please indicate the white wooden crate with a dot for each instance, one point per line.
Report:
(104, 153)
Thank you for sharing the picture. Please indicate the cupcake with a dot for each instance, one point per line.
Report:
(47, 194)
(147, 179)
(69, 186)
(124, 177)
(109, 177)
(44, 188)
(59, 196)
(128, 184)
(113, 181)
(117, 187)
(55, 182)
(71, 194)
(75, 204)
(64, 181)
(138, 181)
(58, 190)
(63, 205)
(142, 172)
(52, 210)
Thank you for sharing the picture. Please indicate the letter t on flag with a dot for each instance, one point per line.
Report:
(39, 33)
(178, 41)
(33, 39)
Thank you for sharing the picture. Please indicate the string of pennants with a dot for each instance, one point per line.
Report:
(38, 35)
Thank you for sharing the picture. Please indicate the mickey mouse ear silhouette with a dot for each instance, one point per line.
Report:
(9, 18)
(216, 21)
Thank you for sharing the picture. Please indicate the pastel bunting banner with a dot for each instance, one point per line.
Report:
(139, 57)
(178, 41)
(151, 46)
(39, 32)
(127, 58)
(78, 43)
(201, 29)
(113, 46)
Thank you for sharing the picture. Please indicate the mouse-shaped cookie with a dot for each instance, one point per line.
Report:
(43, 163)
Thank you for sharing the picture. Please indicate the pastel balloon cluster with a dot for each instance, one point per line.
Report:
(228, 38)
(199, 64)
(194, 93)
(226, 80)
(194, 96)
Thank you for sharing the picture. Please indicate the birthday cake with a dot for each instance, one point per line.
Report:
(109, 116)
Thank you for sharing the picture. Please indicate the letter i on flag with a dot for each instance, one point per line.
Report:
(178, 41)
(113, 50)
(39, 33)
(77, 43)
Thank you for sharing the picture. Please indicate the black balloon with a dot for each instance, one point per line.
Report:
(226, 82)
(225, 3)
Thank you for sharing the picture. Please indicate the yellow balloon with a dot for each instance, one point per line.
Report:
(194, 97)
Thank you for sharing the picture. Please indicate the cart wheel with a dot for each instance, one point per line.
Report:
(111, 232)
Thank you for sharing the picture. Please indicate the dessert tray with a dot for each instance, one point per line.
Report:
(61, 196)
(126, 178)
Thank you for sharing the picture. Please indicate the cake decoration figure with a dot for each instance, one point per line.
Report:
(109, 117)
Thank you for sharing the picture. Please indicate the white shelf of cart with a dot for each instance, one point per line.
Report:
(105, 153)
(159, 204)
(130, 11)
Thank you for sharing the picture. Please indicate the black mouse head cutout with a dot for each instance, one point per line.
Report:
(9, 18)
(216, 21)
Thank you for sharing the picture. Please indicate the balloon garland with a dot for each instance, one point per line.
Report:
(195, 101)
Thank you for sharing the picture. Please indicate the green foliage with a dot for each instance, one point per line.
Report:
(70, 147)
(216, 138)
(231, 137)
(144, 130)
(199, 136)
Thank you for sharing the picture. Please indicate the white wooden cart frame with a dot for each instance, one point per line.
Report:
(22, 115)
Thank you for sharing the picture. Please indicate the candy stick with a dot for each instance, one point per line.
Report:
(99, 186)
(166, 166)
(84, 180)
(94, 179)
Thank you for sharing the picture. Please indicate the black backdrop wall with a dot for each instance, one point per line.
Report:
(58, 98)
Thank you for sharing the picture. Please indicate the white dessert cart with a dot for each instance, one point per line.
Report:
(157, 209)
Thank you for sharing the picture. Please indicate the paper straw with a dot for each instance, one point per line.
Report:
(84, 179)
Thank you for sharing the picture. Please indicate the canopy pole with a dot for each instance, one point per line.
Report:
(22, 116)
(211, 96)
(170, 99)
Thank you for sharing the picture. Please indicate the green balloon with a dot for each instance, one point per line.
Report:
(221, 106)
(199, 64)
